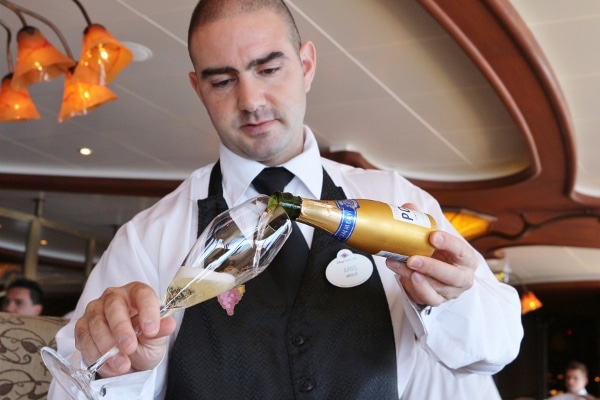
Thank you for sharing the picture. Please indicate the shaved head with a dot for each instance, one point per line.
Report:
(207, 11)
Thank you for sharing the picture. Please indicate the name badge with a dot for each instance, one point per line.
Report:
(349, 269)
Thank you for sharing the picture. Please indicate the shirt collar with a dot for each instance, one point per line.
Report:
(238, 172)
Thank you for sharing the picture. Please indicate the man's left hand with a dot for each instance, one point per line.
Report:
(445, 275)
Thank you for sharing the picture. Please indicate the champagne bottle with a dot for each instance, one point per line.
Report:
(368, 225)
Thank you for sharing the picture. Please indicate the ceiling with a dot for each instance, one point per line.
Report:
(488, 104)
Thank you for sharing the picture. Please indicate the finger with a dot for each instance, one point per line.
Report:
(440, 272)
(404, 274)
(423, 292)
(86, 344)
(118, 310)
(148, 308)
(132, 299)
(83, 339)
(411, 206)
(149, 351)
(420, 291)
(453, 249)
(92, 332)
(398, 267)
(167, 327)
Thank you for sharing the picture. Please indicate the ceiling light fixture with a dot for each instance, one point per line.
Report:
(15, 105)
(529, 301)
(37, 59)
(82, 95)
(101, 52)
(470, 224)
(102, 59)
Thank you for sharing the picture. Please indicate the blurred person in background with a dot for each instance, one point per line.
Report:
(576, 379)
(23, 297)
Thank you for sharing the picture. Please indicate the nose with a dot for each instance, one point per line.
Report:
(9, 307)
(250, 94)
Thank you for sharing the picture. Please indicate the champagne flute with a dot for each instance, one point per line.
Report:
(235, 247)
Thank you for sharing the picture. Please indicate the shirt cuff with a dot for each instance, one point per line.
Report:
(136, 385)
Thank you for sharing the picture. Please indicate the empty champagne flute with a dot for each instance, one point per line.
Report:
(235, 247)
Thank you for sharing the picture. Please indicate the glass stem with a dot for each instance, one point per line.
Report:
(92, 369)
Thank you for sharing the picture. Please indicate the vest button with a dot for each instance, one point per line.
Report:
(298, 340)
(307, 385)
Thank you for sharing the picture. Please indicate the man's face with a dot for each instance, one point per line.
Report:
(253, 82)
(575, 380)
(18, 301)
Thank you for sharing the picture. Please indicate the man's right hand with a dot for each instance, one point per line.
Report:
(108, 322)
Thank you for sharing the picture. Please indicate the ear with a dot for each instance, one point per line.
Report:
(194, 82)
(37, 309)
(308, 58)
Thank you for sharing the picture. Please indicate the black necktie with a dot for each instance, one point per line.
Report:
(288, 265)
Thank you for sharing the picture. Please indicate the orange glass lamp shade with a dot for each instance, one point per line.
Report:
(529, 302)
(15, 105)
(81, 97)
(37, 59)
(103, 53)
(469, 224)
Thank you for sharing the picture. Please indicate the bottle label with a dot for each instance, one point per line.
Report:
(348, 220)
(411, 217)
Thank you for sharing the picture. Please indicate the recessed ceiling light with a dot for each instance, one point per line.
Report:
(43, 242)
(140, 52)
(85, 151)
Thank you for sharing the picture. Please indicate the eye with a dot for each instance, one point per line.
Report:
(269, 71)
(221, 83)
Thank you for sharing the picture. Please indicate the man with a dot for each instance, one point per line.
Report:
(252, 73)
(23, 297)
(576, 379)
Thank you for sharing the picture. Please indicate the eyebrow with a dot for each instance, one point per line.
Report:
(230, 70)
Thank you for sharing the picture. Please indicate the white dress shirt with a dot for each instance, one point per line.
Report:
(581, 395)
(478, 332)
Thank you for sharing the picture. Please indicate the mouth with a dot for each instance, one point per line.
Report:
(258, 127)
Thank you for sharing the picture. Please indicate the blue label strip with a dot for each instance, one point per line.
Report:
(348, 221)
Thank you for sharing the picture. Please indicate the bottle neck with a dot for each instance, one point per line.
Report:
(290, 203)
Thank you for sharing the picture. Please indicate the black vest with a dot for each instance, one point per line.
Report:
(334, 343)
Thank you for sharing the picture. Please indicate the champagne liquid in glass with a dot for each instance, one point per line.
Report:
(185, 290)
(188, 288)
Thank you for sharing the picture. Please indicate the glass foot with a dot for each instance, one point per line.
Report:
(74, 381)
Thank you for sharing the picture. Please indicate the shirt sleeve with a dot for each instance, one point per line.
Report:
(125, 260)
(464, 333)
(430, 380)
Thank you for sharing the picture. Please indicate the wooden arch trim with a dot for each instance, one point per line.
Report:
(538, 206)
(544, 209)
(497, 40)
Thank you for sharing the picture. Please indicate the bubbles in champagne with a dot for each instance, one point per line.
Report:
(191, 286)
